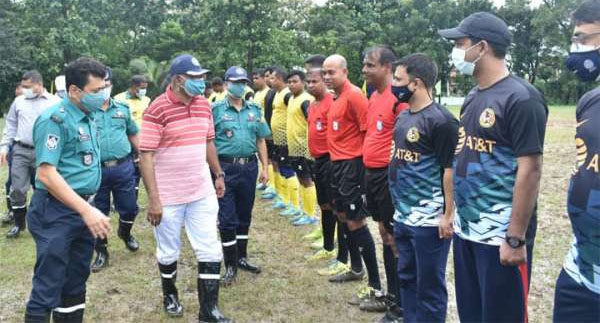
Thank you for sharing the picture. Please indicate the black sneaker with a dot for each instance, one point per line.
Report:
(14, 232)
(172, 305)
(245, 265)
(347, 276)
(375, 301)
(392, 315)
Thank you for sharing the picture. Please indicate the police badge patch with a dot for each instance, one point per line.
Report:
(52, 141)
(251, 116)
(87, 159)
(229, 133)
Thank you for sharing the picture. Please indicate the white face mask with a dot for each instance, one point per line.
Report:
(29, 94)
(458, 59)
(140, 93)
(107, 91)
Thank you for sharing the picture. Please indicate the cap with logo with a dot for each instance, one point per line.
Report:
(186, 64)
(480, 25)
(236, 73)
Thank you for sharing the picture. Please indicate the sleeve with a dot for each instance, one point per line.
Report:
(527, 126)
(49, 140)
(132, 128)
(445, 137)
(263, 129)
(10, 127)
(360, 107)
(210, 135)
(287, 97)
(305, 106)
(152, 130)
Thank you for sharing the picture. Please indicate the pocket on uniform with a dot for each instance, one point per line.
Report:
(86, 153)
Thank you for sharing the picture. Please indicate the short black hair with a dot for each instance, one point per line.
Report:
(298, 73)
(420, 66)
(315, 60)
(216, 81)
(498, 50)
(78, 72)
(269, 69)
(259, 71)
(280, 73)
(137, 80)
(386, 54)
(33, 76)
(587, 13)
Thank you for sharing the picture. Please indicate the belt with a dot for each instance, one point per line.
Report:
(88, 197)
(114, 162)
(24, 145)
(238, 160)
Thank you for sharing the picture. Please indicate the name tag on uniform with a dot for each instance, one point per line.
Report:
(336, 126)
(88, 159)
(119, 115)
(379, 125)
(319, 125)
(227, 117)
(82, 135)
(251, 116)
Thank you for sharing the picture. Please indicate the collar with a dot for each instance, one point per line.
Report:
(171, 96)
(245, 105)
(72, 109)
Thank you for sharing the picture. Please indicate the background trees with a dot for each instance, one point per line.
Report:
(142, 36)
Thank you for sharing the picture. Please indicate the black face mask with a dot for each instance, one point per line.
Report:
(402, 93)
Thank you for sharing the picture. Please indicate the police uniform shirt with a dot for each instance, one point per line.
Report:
(497, 125)
(583, 202)
(297, 126)
(114, 126)
(236, 131)
(65, 137)
(422, 147)
(279, 117)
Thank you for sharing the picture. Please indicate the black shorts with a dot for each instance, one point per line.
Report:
(347, 188)
(303, 167)
(270, 148)
(281, 155)
(322, 173)
(379, 200)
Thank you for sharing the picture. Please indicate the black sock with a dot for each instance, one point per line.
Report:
(242, 242)
(353, 249)
(328, 224)
(391, 274)
(364, 241)
(342, 240)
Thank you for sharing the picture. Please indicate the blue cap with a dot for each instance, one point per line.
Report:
(236, 73)
(186, 64)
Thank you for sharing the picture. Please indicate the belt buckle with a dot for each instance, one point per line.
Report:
(242, 161)
(110, 163)
(91, 198)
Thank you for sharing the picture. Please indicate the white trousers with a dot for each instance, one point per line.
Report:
(200, 221)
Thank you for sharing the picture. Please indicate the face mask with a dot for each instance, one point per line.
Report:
(107, 92)
(236, 90)
(61, 94)
(194, 87)
(140, 93)
(458, 59)
(402, 93)
(29, 94)
(584, 61)
(93, 101)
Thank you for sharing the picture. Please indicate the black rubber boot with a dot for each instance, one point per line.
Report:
(37, 318)
(168, 276)
(19, 223)
(101, 260)
(208, 293)
(230, 257)
(124, 233)
(69, 311)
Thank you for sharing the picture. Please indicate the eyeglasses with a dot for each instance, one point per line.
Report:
(581, 38)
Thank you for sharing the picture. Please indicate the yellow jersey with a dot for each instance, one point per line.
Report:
(217, 96)
(279, 117)
(297, 126)
(137, 106)
(259, 97)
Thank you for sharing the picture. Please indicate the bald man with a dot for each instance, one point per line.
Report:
(346, 128)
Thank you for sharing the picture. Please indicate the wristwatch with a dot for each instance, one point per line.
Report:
(219, 175)
(514, 242)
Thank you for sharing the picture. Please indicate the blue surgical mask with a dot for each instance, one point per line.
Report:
(458, 59)
(107, 91)
(236, 90)
(194, 87)
(584, 61)
(93, 101)
(402, 93)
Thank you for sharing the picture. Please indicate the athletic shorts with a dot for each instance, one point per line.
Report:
(347, 187)
(281, 155)
(322, 176)
(303, 167)
(379, 200)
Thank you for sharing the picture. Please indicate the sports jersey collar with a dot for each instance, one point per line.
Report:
(493, 85)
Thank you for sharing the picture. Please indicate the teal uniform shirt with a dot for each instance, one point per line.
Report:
(66, 138)
(236, 132)
(115, 125)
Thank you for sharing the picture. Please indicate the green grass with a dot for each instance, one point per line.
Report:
(288, 290)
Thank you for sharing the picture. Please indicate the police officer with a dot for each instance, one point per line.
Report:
(117, 133)
(61, 219)
(240, 132)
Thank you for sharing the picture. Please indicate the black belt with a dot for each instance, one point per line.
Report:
(114, 162)
(24, 145)
(88, 197)
(238, 160)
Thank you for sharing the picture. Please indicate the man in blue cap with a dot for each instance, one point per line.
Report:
(176, 151)
(117, 133)
(497, 171)
(61, 217)
(240, 132)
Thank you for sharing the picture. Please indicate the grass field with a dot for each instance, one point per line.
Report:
(288, 290)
